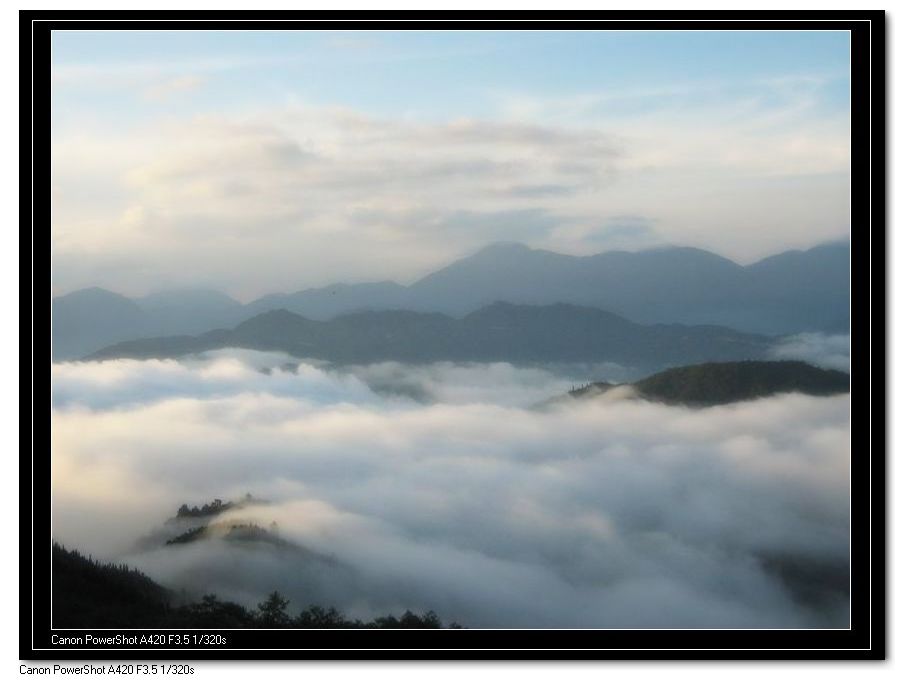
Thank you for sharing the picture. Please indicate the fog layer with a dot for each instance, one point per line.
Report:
(437, 487)
(819, 349)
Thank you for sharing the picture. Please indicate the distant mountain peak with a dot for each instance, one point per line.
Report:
(275, 314)
(93, 293)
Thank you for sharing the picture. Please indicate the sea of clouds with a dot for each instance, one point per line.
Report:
(446, 487)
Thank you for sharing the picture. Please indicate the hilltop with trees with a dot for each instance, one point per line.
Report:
(91, 594)
(712, 384)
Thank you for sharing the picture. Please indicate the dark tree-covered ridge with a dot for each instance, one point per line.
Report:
(712, 384)
(90, 594)
(231, 531)
(217, 507)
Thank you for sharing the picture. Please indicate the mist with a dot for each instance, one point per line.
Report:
(819, 349)
(441, 487)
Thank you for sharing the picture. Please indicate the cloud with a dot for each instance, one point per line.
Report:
(132, 75)
(608, 513)
(820, 349)
(203, 198)
(304, 177)
(193, 163)
(767, 125)
(494, 383)
(539, 190)
(125, 383)
(468, 225)
(631, 232)
(172, 87)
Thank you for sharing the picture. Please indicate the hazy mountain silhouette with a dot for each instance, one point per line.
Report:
(791, 292)
(331, 301)
(498, 332)
(190, 311)
(788, 293)
(715, 383)
(89, 319)
(86, 319)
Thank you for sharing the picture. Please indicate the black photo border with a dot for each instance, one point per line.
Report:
(865, 639)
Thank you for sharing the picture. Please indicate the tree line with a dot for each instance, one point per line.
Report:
(91, 594)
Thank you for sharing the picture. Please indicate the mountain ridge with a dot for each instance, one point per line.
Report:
(786, 293)
(498, 332)
(719, 383)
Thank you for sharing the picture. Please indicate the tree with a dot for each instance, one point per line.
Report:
(272, 611)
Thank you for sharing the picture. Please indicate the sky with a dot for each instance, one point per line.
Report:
(255, 162)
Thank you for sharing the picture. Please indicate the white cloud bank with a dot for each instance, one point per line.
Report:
(343, 195)
(820, 349)
(598, 514)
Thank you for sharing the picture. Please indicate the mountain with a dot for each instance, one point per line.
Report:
(87, 319)
(92, 594)
(331, 301)
(87, 593)
(498, 332)
(809, 289)
(190, 311)
(651, 286)
(714, 383)
(194, 525)
(788, 293)
(617, 281)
